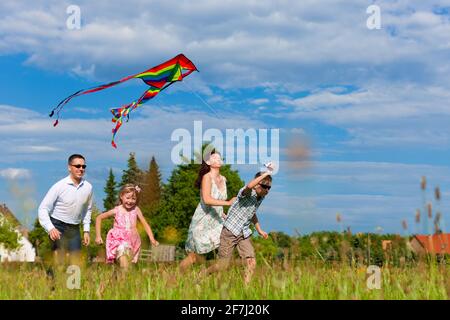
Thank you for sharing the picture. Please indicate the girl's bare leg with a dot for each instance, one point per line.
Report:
(124, 263)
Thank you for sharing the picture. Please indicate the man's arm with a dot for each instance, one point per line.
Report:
(87, 222)
(46, 206)
(87, 217)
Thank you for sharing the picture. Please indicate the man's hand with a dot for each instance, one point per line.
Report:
(54, 234)
(86, 238)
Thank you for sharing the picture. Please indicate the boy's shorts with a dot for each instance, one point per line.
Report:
(228, 241)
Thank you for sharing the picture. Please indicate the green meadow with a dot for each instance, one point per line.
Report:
(283, 280)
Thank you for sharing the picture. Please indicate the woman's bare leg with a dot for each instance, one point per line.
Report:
(190, 259)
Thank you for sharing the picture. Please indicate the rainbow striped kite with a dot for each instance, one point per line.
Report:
(158, 78)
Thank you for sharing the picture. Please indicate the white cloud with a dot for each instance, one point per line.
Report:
(299, 131)
(12, 115)
(234, 43)
(32, 137)
(368, 193)
(370, 173)
(325, 99)
(373, 104)
(359, 211)
(15, 173)
(36, 149)
(388, 115)
(259, 101)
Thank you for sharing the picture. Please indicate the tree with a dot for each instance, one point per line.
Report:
(9, 237)
(132, 174)
(180, 197)
(110, 191)
(40, 239)
(151, 188)
(281, 239)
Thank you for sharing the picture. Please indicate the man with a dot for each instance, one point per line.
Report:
(66, 205)
(236, 229)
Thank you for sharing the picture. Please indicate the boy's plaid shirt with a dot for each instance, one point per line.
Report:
(242, 212)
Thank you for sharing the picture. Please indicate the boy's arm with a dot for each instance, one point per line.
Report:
(254, 183)
(258, 227)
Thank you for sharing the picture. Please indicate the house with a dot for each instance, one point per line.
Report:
(434, 244)
(26, 251)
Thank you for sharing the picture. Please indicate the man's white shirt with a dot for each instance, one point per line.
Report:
(67, 203)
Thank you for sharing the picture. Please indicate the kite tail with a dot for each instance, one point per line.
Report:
(118, 115)
(61, 105)
(114, 131)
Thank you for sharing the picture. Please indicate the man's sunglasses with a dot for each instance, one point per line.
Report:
(265, 186)
(78, 166)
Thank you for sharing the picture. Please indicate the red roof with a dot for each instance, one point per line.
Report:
(437, 243)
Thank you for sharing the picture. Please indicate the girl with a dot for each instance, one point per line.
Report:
(123, 241)
(207, 221)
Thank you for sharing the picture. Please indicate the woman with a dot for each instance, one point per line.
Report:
(208, 218)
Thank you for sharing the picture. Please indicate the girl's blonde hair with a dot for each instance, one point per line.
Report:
(129, 187)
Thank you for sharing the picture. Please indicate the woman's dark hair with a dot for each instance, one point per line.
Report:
(204, 169)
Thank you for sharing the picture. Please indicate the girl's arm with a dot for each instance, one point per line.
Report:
(146, 227)
(98, 225)
(206, 194)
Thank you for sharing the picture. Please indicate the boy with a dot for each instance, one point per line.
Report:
(236, 228)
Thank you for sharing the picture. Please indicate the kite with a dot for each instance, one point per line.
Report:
(158, 78)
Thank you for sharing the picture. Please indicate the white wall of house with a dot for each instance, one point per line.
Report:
(25, 253)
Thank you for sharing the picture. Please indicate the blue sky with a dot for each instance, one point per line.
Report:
(370, 106)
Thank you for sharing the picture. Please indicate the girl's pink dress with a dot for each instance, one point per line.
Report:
(123, 238)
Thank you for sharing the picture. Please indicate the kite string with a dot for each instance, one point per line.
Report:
(201, 99)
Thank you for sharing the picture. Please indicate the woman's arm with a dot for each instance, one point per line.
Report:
(98, 225)
(147, 228)
(206, 194)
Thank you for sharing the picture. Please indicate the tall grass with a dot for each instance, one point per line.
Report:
(308, 279)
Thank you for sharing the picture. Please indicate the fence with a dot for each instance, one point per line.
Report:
(161, 253)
